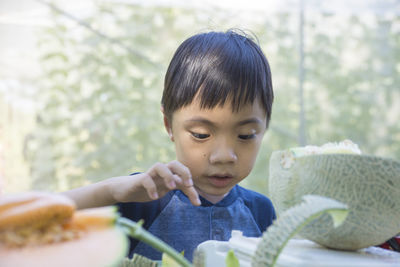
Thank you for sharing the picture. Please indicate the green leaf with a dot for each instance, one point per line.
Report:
(168, 261)
(231, 260)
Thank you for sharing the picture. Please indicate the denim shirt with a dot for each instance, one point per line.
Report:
(184, 226)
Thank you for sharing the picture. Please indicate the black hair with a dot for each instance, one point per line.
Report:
(218, 66)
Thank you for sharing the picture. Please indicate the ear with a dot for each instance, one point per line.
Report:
(167, 124)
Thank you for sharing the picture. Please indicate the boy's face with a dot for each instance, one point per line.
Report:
(218, 146)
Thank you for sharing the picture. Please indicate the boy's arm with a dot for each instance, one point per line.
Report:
(147, 186)
(90, 196)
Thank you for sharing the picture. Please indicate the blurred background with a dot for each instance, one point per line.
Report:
(81, 81)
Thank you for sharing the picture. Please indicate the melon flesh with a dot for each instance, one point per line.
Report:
(105, 247)
(98, 242)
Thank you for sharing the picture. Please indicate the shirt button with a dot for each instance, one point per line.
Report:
(217, 234)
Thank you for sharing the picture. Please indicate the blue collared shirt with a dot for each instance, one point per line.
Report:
(184, 226)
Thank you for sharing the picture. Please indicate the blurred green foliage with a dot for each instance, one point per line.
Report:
(100, 95)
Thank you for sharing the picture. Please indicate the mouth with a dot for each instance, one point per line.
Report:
(220, 180)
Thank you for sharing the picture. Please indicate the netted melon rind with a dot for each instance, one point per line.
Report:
(369, 185)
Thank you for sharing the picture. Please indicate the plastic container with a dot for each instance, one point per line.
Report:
(298, 252)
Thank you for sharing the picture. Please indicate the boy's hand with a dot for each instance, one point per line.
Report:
(154, 183)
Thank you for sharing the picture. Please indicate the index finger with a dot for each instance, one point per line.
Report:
(187, 183)
(182, 171)
(192, 194)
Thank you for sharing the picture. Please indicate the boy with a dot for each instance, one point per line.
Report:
(216, 105)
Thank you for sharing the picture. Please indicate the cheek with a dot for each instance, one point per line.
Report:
(190, 154)
(248, 157)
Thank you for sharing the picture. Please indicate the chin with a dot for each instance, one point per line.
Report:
(217, 192)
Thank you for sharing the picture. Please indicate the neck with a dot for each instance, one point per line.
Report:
(212, 198)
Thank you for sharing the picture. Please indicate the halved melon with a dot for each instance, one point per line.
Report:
(82, 238)
(369, 185)
(34, 210)
(106, 247)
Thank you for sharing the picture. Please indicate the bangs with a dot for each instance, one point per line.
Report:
(236, 76)
(218, 67)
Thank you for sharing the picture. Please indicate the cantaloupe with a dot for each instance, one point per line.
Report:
(85, 238)
(34, 210)
(369, 185)
(105, 247)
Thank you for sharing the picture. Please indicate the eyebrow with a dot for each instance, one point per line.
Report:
(240, 123)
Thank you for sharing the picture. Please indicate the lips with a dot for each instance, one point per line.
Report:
(220, 180)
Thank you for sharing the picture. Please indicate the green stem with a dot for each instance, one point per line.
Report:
(136, 231)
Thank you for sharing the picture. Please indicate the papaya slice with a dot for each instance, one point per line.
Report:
(34, 210)
(45, 230)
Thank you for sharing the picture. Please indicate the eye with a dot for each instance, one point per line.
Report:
(246, 136)
(200, 136)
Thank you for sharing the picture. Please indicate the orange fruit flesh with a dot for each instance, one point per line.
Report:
(34, 210)
(89, 238)
(105, 247)
(92, 218)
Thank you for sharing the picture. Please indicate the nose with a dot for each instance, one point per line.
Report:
(223, 152)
